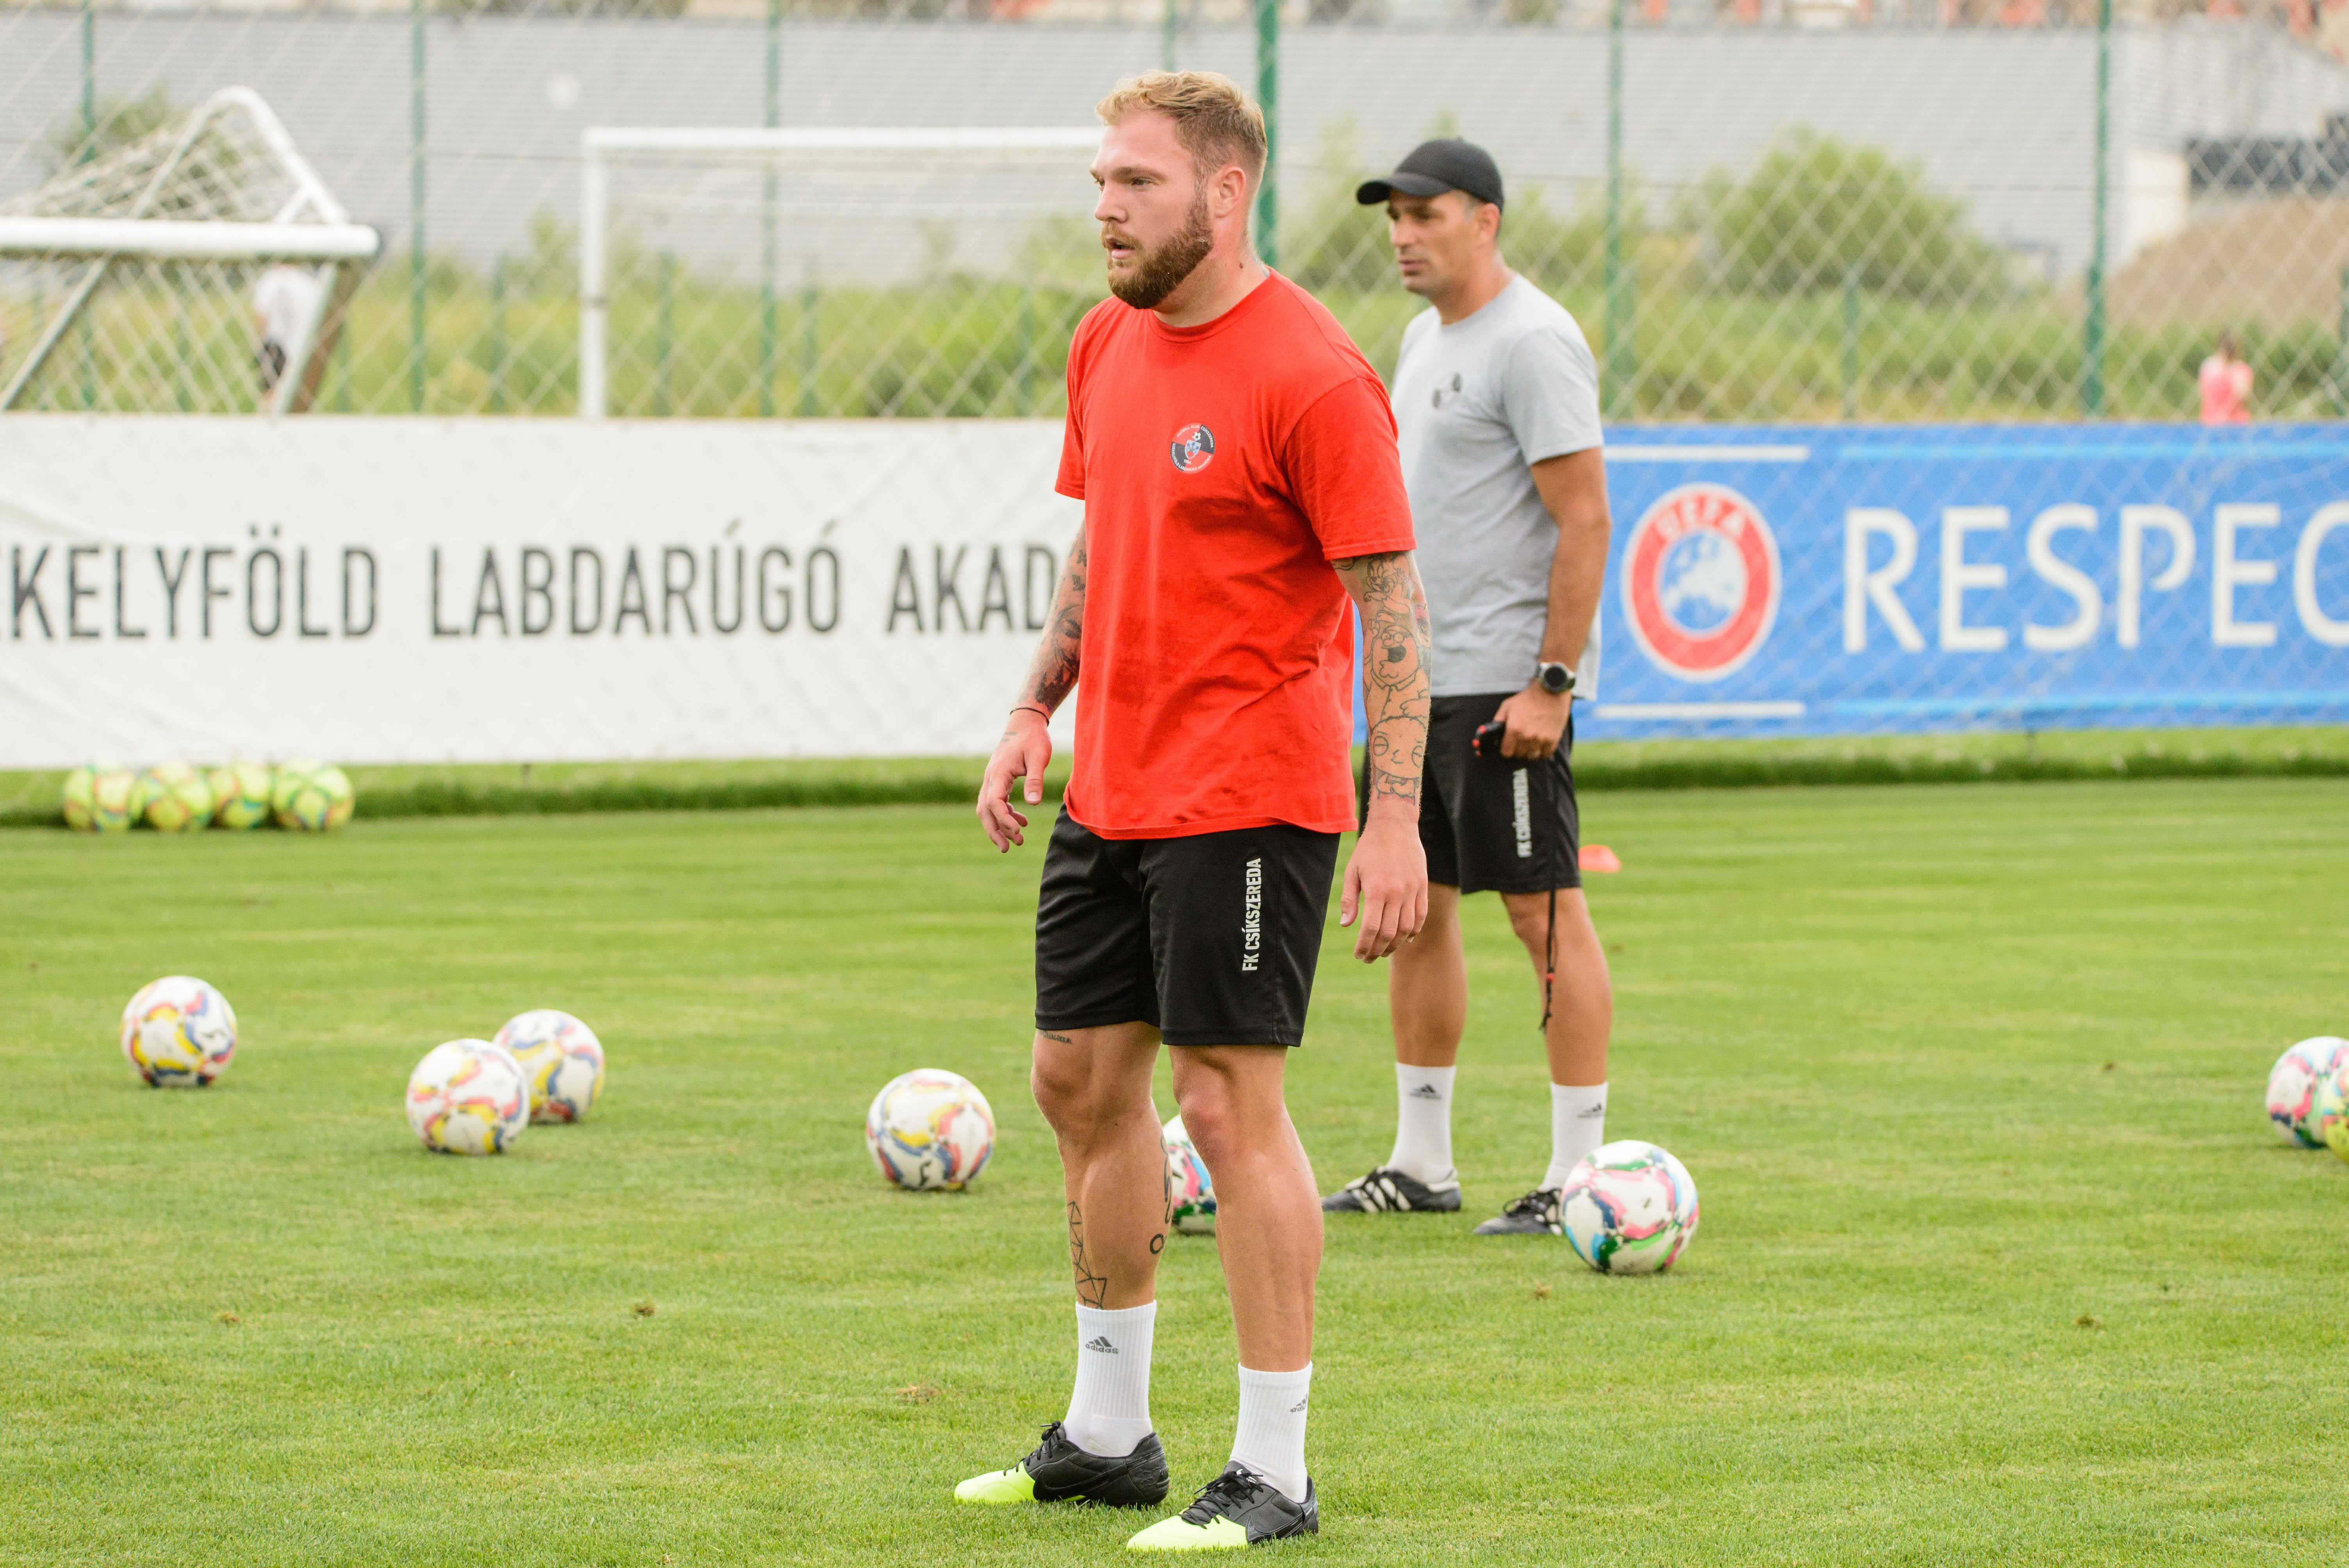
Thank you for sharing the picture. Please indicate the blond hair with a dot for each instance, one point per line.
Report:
(1212, 118)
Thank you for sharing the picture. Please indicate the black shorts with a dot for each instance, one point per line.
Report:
(1212, 939)
(1496, 824)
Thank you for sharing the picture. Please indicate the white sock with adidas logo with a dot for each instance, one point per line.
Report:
(1577, 1126)
(1271, 1440)
(1109, 1410)
(1422, 1145)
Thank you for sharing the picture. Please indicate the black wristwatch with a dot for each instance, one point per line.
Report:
(1554, 676)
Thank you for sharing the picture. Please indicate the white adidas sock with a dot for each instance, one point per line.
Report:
(1422, 1145)
(1109, 1410)
(1271, 1440)
(1577, 1124)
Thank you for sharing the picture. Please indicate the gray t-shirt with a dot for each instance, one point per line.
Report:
(1478, 402)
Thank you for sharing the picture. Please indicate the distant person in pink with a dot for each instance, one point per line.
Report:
(2225, 386)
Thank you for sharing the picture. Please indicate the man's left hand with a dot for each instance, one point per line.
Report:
(1385, 888)
(1536, 721)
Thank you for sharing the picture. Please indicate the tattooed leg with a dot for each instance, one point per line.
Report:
(1093, 1087)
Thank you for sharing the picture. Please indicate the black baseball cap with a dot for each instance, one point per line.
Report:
(1435, 167)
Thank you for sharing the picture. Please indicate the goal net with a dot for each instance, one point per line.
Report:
(833, 271)
(200, 268)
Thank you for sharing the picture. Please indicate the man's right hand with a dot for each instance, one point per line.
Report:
(1023, 752)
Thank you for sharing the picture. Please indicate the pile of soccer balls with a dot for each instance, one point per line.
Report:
(476, 1097)
(304, 797)
(2308, 1094)
(466, 1096)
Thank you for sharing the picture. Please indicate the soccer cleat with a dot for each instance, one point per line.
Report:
(1387, 1191)
(1238, 1508)
(1059, 1471)
(1534, 1214)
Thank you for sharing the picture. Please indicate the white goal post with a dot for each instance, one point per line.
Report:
(799, 149)
(254, 198)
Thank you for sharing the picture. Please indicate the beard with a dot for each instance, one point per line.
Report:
(1158, 273)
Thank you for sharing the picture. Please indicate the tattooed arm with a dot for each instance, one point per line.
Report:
(1026, 748)
(1386, 880)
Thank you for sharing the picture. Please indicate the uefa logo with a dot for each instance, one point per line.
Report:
(1701, 582)
(1193, 448)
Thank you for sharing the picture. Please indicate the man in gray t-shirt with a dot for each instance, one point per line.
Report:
(1497, 401)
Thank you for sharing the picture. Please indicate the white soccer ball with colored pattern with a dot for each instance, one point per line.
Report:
(1190, 1191)
(930, 1130)
(178, 1033)
(468, 1096)
(2293, 1085)
(563, 1059)
(1629, 1208)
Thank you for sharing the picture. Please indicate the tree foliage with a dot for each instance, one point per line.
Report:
(1816, 208)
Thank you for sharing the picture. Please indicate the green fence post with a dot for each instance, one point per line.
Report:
(416, 328)
(89, 136)
(810, 303)
(1621, 366)
(2341, 348)
(1167, 24)
(2092, 347)
(767, 329)
(664, 330)
(1024, 376)
(181, 349)
(89, 78)
(498, 349)
(1850, 341)
(1268, 98)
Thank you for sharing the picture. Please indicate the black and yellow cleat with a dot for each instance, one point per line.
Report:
(1238, 1508)
(1059, 1471)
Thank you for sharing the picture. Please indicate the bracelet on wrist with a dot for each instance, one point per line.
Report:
(1032, 707)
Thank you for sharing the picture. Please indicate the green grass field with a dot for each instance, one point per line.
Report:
(1999, 1263)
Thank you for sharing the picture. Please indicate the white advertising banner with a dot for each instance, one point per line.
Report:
(416, 590)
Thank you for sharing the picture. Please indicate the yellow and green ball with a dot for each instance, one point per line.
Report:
(241, 795)
(102, 798)
(177, 798)
(311, 797)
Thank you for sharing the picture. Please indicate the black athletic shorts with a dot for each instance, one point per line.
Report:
(1494, 824)
(1212, 938)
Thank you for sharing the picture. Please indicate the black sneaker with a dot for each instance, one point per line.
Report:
(1059, 1471)
(1238, 1508)
(1534, 1214)
(1387, 1191)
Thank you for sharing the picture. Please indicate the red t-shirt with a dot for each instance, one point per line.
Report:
(1223, 468)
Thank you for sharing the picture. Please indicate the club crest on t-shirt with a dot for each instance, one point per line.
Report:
(1442, 392)
(1193, 448)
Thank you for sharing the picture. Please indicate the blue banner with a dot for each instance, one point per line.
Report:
(1825, 580)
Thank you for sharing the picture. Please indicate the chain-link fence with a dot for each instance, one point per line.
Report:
(1814, 210)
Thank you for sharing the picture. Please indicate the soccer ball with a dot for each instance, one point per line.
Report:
(241, 794)
(311, 797)
(468, 1096)
(179, 1031)
(177, 798)
(561, 1058)
(103, 799)
(1188, 1185)
(1629, 1208)
(929, 1129)
(2292, 1087)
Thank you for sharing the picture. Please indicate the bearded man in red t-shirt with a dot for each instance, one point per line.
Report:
(1236, 458)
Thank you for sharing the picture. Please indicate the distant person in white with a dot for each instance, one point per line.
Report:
(284, 303)
(1497, 399)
